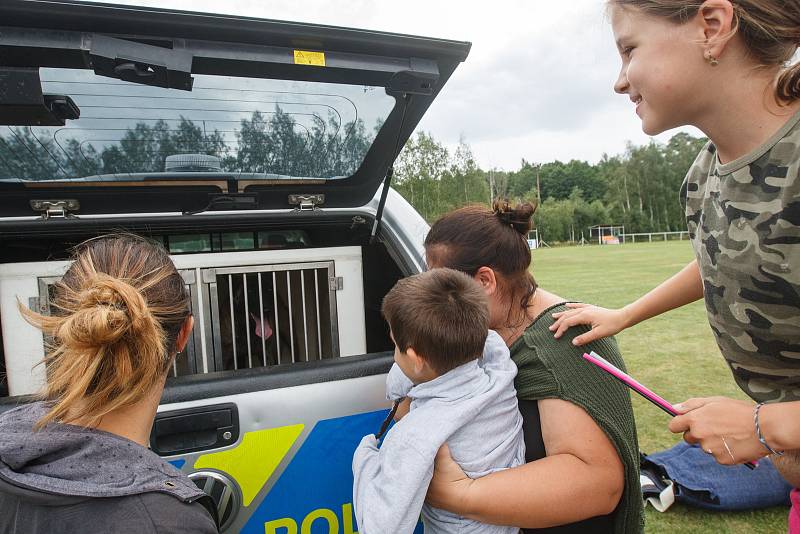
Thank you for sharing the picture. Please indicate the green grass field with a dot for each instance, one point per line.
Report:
(675, 354)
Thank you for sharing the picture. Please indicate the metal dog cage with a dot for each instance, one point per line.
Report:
(253, 316)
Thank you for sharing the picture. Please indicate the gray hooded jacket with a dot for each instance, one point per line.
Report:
(66, 478)
(473, 408)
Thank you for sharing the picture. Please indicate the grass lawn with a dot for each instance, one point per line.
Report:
(675, 354)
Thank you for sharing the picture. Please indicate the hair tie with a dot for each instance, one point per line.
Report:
(504, 216)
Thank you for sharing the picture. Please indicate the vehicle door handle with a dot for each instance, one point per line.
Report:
(195, 429)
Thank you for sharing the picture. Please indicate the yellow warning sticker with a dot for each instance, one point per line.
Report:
(305, 57)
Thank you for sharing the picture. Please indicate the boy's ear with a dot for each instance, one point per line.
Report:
(716, 19)
(487, 279)
(418, 361)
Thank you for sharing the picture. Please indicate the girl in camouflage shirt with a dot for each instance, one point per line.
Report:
(725, 68)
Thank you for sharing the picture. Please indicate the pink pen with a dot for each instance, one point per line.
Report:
(645, 392)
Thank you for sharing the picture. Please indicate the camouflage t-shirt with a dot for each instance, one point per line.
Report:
(744, 223)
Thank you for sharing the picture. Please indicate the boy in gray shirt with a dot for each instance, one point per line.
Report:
(461, 385)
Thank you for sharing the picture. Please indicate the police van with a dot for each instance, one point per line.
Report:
(260, 154)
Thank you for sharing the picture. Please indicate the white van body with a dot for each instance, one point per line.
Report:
(259, 154)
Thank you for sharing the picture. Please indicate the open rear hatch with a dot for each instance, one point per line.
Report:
(115, 115)
(253, 150)
(204, 132)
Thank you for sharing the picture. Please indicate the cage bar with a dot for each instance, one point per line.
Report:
(261, 315)
(233, 321)
(319, 305)
(291, 325)
(247, 321)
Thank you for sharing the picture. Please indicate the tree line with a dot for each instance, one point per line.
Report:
(269, 143)
(638, 189)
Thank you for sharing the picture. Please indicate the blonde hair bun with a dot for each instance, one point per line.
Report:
(107, 311)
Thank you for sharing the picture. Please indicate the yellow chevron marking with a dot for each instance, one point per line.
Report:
(255, 459)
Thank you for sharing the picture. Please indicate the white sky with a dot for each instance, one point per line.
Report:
(537, 84)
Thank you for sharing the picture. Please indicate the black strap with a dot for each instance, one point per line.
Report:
(388, 420)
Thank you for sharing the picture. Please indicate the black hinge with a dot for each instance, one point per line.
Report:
(336, 283)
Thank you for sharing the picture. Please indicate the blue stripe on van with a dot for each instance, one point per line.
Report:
(315, 493)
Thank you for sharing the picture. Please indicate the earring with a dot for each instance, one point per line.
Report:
(711, 59)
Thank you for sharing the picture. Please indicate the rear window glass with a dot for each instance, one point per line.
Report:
(267, 129)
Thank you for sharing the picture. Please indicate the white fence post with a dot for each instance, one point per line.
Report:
(649, 235)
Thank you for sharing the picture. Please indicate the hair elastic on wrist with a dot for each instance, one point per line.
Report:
(759, 434)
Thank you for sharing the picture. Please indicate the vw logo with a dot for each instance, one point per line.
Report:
(223, 491)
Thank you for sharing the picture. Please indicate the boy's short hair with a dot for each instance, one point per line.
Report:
(442, 314)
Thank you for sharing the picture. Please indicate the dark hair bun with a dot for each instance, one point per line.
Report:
(517, 217)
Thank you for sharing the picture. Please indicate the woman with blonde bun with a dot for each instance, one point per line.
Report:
(77, 460)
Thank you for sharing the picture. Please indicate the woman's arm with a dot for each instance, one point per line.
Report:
(679, 290)
(726, 428)
(581, 477)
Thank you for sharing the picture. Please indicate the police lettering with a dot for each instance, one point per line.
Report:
(320, 516)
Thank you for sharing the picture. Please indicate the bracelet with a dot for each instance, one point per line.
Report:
(759, 434)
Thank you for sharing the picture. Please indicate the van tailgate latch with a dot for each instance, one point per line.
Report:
(61, 209)
(306, 202)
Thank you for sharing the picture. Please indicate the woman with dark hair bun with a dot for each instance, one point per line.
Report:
(582, 474)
